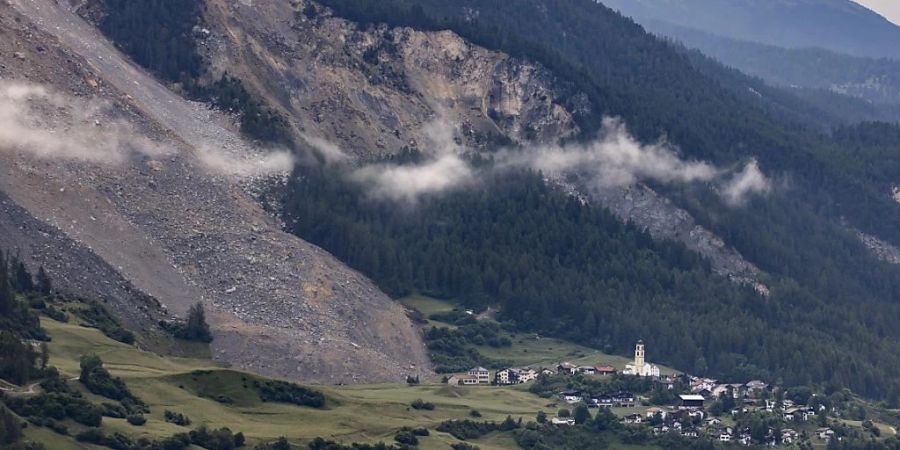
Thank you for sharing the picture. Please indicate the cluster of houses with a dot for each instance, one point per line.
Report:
(618, 400)
(519, 375)
(690, 419)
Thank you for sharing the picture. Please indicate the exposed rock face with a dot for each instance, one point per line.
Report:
(174, 230)
(895, 193)
(371, 91)
(882, 250)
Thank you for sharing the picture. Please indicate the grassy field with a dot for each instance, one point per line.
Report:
(529, 349)
(368, 413)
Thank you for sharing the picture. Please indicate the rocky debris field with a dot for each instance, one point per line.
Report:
(184, 231)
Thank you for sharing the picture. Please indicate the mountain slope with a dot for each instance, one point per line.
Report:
(178, 225)
(798, 234)
(873, 80)
(838, 25)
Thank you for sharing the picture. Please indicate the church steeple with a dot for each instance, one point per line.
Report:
(639, 358)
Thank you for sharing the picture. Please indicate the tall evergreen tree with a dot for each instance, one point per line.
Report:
(7, 297)
(43, 284)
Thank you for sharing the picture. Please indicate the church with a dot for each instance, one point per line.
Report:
(639, 367)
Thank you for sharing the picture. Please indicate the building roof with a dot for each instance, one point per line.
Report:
(692, 397)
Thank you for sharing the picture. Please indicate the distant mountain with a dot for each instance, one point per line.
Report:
(874, 80)
(837, 25)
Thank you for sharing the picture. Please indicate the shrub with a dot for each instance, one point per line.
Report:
(421, 404)
(136, 419)
(281, 391)
(176, 418)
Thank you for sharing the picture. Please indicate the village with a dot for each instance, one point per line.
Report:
(750, 413)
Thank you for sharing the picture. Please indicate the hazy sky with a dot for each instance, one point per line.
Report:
(887, 8)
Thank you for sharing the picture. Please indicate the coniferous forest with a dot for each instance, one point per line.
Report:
(560, 267)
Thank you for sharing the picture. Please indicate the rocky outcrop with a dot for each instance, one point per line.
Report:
(882, 250)
(372, 90)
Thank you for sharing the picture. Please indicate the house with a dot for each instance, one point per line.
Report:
(713, 422)
(605, 370)
(623, 399)
(603, 400)
(755, 387)
(564, 421)
(667, 383)
(478, 375)
(746, 439)
(770, 405)
(691, 401)
(566, 368)
(724, 436)
(705, 393)
(633, 418)
(690, 432)
(514, 376)
(587, 370)
(547, 372)
(455, 380)
(527, 374)
(696, 414)
(825, 434)
(506, 376)
(789, 436)
(570, 396)
(654, 411)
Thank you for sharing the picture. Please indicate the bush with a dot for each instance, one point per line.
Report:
(280, 444)
(475, 413)
(421, 404)
(176, 418)
(281, 391)
(114, 410)
(98, 380)
(57, 427)
(468, 429)
(463, 446)
(407, 438)
(136, 419)
(96, 316)
(56, 314)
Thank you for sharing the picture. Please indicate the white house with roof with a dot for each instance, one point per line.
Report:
(478, 375)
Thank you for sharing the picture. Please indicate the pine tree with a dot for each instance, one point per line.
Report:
(7, 298)
(22, 278)
(196, 328)
(43, 284)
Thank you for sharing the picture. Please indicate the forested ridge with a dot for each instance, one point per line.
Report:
(561, 267)
(830, 296)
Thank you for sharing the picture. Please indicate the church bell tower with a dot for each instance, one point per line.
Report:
(639, 358)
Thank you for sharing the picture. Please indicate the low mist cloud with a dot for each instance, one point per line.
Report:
(750, 180)
(246, 165)
(614, 159)
(409, 182)
(330, 152)
(40, 122)
(45, 124)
